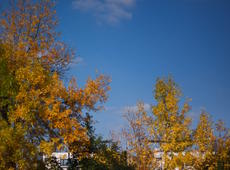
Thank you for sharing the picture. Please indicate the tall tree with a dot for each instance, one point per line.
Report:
(170, 128)
(38, 108)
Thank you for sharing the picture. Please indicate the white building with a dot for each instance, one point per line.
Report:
(62, 159)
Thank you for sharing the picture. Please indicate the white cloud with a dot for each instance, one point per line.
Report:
(147, 107)
(109, 11)
(125, 109)
(78, 60)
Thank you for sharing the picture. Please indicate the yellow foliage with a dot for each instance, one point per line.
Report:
(139, 147)
(170, 128)
(47, 112)
(168, 132)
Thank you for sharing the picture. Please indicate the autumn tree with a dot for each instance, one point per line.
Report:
(38, 113)
(138, 145)
(211, 144)
(222, 144)
(204, 140)
(13, 146)
(28, 28)
(166, 132)
(170, 128)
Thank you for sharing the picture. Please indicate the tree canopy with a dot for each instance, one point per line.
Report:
(38, 113)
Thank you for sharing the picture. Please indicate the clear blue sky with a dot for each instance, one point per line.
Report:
(136, 41)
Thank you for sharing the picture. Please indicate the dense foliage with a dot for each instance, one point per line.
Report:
(38, 113)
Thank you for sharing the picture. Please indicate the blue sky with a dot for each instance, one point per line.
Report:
(136, 41)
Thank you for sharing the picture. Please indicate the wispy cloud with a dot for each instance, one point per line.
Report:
(147, 107)
(125, 109)
(109, 11)
(78, 60)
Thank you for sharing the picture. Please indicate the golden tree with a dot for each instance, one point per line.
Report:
(43, 114)
(204, 141)
(139, 147)
(170, 128)
(222, 142)
(222, 145)
(212, 145)
(28, 28)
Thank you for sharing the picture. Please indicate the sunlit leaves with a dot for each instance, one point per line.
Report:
(170, 127)
(170, 134)
(37, 107)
